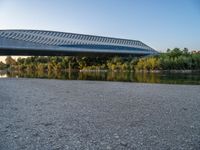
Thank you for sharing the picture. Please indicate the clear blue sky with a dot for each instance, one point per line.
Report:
(161, 24)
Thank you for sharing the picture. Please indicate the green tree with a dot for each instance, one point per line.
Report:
(2, 66)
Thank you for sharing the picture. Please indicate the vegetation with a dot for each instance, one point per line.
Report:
(175, 59)
(65, 63)
(2, 66)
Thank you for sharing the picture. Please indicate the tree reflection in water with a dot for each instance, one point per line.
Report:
(171, 78)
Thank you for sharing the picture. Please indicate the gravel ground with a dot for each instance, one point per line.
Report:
(55, 114)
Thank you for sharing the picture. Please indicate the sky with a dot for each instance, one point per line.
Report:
(161, 24)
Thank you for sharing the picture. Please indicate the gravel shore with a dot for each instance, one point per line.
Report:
(56, 114)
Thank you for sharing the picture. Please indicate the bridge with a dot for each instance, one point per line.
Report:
(51, 43)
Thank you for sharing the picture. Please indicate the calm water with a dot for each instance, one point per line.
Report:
(170, 78)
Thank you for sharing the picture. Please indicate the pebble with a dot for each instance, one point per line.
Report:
(16, 136)
(116, 136)
(123, 143)
(108, 147)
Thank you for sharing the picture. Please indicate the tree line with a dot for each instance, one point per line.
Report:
(175, 59)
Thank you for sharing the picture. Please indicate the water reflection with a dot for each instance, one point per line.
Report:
(3, 76)
(171, 78)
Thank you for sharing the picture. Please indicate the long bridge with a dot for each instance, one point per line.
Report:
(48, 43)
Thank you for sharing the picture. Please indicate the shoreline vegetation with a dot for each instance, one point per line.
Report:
(173, 61)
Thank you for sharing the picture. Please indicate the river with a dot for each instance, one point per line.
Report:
(165, 78)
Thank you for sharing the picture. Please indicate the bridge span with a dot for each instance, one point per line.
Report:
(51, 43)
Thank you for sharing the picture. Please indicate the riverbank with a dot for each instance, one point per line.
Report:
(107, 70)
(58, 114)
(145, 71)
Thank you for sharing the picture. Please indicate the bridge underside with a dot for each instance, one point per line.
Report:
(41, 52)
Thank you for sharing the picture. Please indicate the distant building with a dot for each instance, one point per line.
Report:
(195, 52)
(36, 42)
